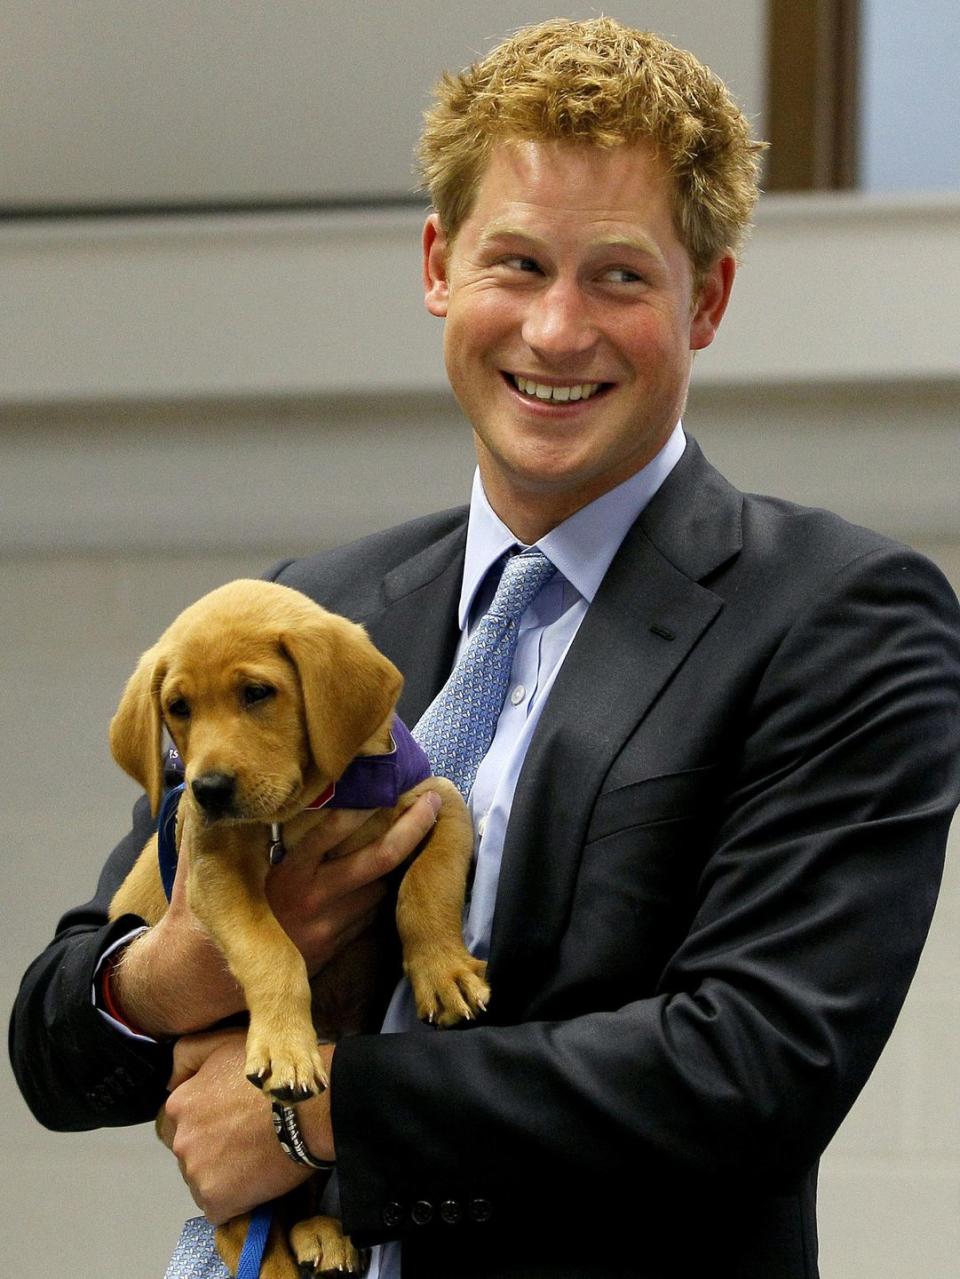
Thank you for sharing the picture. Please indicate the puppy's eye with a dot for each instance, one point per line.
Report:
(254, 693)
(179, 708)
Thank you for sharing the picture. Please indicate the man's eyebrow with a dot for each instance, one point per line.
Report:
(641, 244)
(508, 231)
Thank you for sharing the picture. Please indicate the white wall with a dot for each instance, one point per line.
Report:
(108, 102)
(184, 401)
(842, 288)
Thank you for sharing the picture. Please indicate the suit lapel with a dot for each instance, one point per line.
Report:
(648, 614)
(651, 609)
(417, 629)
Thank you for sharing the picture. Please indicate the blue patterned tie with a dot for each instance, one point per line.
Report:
(196, 1256)
(458, 726)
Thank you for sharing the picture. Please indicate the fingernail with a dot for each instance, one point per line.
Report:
(435, 802)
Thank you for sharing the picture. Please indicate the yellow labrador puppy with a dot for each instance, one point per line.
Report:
(270, 701)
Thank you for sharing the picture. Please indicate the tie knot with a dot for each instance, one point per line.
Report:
(458, 726)
(522, 578)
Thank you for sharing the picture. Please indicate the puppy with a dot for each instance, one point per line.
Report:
(268, 698)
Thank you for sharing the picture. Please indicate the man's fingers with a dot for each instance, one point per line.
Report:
(400, 840)
(341, 876)
(323, 904)
(393, 847)
(191, 1051)
(166, 1128)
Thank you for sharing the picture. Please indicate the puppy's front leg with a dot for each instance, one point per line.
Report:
(225, 890)
(448, 983)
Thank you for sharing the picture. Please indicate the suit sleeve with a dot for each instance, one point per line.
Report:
(75, 1071)
(817, 888)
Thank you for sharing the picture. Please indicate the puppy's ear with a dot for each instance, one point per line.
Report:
(136, 727)
(349, 688)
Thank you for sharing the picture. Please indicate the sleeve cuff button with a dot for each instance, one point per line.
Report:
(481, 1210)
(392, 1214)
(450, 1212)
(421, 1214)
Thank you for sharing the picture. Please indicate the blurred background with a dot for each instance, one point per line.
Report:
(213, 353)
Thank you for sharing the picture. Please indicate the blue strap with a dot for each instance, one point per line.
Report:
(167, 838)
(255, 1243)
(258, 1231)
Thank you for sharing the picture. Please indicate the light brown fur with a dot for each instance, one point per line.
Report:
(258, 684)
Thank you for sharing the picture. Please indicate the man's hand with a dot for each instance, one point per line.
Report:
(220, 1128)
(172, 980)
(325, 904)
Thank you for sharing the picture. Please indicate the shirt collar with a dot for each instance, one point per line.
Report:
(583, 545)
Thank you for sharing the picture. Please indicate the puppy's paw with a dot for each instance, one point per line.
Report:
(288, 1071)
(449, 989)
(321, 1248)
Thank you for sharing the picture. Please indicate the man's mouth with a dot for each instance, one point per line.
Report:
(555, 394)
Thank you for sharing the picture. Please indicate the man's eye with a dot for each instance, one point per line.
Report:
(521, 264)
(621, 275)
(254, 693)
(179, 708)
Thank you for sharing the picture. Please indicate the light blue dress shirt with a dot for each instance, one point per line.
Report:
(582, 548)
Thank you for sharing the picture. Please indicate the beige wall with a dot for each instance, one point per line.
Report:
(182, 402)
(268, 99)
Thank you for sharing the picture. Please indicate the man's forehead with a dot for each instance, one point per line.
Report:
(522, 164)
(611, 191)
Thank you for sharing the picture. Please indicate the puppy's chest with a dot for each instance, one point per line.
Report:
(349, 996)
(308, 834)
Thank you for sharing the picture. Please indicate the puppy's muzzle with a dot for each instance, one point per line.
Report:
(214, 792)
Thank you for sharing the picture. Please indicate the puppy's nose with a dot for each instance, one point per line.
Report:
(214, 793)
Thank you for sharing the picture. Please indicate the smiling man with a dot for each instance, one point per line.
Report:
(711, 794)
(571, 314)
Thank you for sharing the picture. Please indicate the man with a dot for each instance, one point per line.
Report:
(712, 816)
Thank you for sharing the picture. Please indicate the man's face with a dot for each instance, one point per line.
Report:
(570, 321)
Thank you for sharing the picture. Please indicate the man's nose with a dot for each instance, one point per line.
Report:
(559, 324)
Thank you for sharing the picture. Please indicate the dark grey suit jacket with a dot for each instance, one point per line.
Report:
(720, 868)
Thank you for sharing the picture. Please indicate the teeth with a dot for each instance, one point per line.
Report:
(559, 394)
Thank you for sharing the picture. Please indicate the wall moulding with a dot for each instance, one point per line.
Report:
(833, 288)
(145, 477)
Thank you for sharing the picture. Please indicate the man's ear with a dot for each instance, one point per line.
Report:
(711, 301)
(436, 290)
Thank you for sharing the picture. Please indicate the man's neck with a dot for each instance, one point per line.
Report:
(531, 511)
